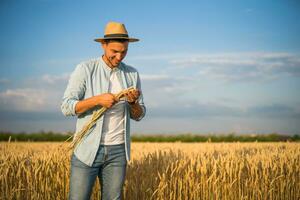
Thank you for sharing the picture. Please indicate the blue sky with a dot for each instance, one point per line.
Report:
(206, 66)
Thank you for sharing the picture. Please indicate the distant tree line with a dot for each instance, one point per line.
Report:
(231, 137)
(34, 137)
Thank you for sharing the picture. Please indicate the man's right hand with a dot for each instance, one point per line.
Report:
(106, 100)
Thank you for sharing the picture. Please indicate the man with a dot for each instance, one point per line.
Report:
(105, 149)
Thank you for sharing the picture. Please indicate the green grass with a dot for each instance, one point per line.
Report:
(231, 137)
(273, 137)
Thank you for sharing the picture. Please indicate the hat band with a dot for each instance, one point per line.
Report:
(116, 36)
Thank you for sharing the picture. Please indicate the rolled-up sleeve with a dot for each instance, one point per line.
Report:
(75, 91)
(141, 98)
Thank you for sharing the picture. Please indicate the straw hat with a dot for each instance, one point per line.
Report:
(115, 30)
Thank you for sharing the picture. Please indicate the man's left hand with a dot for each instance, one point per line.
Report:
(132, 96)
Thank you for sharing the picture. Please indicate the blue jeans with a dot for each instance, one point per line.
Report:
(110, 167)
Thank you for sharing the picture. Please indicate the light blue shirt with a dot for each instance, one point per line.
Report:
(89, 79)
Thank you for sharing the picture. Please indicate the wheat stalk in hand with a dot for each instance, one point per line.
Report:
(96, 115)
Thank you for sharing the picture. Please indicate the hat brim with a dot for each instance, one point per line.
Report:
(101, 40)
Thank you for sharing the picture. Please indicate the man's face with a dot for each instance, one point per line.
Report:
(114, 52)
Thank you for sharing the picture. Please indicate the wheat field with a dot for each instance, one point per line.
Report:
(164, 171)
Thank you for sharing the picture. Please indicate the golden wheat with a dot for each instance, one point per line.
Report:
(165, 171)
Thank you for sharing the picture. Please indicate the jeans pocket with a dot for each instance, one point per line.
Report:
(76, 162)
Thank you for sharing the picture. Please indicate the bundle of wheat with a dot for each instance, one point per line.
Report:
(96, 115)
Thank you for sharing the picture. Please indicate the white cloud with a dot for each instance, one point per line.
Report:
(159, 89)
(242, 66)
(166, 97)
(23, 99)
(36, 94)
(53, 79)
(247, 66)
(154, 77)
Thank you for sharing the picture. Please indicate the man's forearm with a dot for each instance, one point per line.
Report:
(136, 110)
(86, 104)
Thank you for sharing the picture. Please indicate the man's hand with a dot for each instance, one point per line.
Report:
(106, 100)
(132, 96)
(135, 108)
